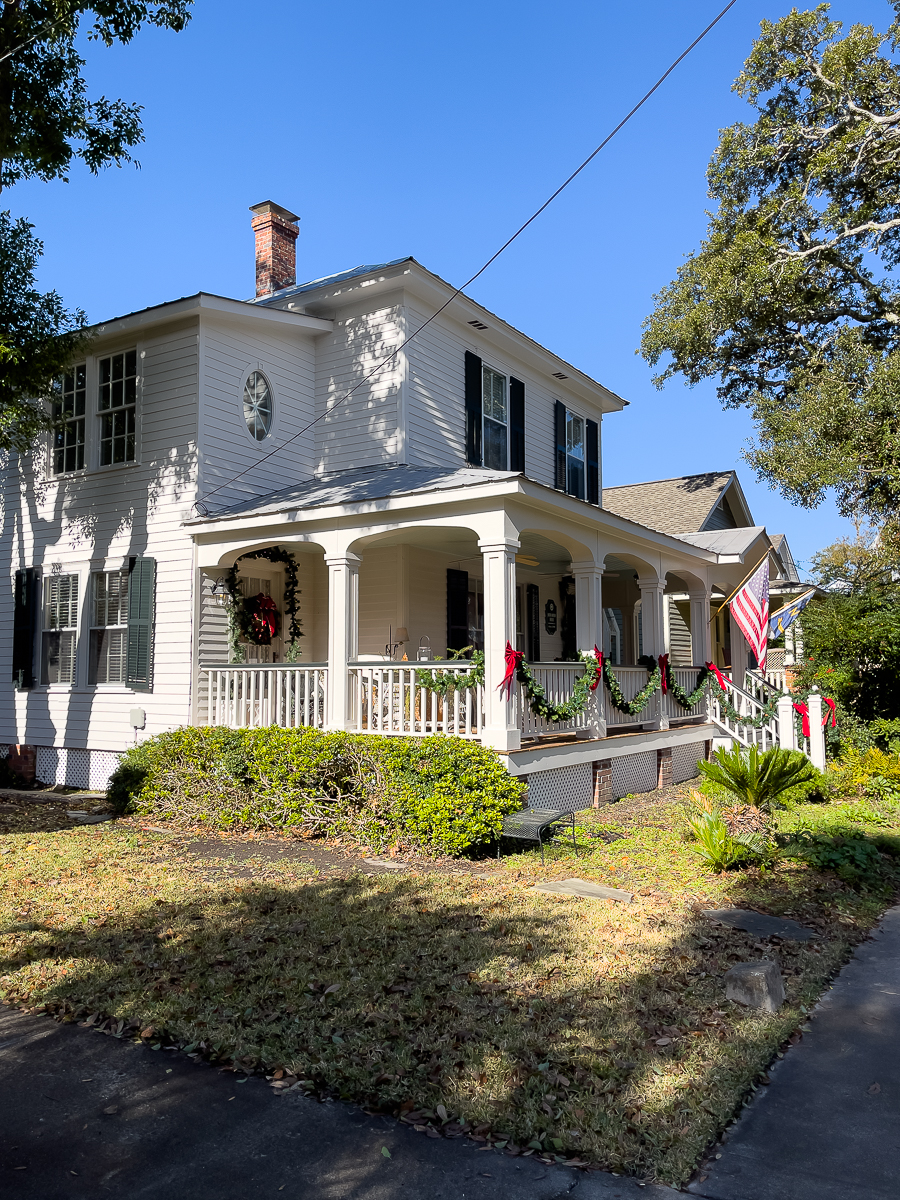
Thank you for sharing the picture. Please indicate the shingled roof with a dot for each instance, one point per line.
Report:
(670, 505)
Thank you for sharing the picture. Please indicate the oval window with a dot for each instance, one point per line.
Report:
(258, 405)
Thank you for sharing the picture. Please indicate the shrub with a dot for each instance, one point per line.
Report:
(717, 839)
(762, 779)
(441, 794)
(870, 771)
(854, 859)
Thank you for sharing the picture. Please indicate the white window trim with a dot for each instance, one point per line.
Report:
(97, 423)
(505, 375)
(117, 685)
(571, 412)
(266, 444)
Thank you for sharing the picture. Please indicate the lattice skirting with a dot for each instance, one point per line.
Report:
(561, 787)
(75, 768)
(684, 761)
(633, 773)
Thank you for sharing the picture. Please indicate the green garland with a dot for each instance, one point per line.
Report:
(577, 702)
(642, 699)
(273, 554)
(445, 681)
(687, 700)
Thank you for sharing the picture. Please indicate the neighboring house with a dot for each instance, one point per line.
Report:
(452, 499)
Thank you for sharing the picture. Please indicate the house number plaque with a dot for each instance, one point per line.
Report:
(550, 616)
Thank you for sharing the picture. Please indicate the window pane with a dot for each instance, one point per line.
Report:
(575, 435)
(117, 398)
(494, 395)
(494, 445)
(58, 658)
(61, 602)
(68, 396)
(576, 477)
(108, 656)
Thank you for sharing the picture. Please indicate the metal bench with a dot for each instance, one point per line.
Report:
(531, 824)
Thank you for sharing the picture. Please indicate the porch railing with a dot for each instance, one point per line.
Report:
(253, 695)
(631, 680)
(558, 682)
(748, 705)
(686, 678)
(386, 698)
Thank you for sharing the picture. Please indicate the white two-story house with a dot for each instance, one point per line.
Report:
(276, 510)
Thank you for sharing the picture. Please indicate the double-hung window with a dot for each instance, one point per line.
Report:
(109, 627)
(495, 436)
(60, 629)
(68, 401)
(117, 404)
(575, 455)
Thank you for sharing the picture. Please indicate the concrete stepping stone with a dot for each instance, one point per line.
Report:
(581, 887)
(386, 863)
(761, 925)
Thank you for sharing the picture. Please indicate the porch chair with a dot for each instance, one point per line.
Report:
(531, 824)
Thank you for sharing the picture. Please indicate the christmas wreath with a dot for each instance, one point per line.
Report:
(256, 618)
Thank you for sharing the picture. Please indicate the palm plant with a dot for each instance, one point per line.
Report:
(758, 778)
(719, 848)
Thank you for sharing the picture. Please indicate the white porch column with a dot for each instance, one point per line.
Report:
(701, 642)
(501, 728)
(589, 627)
(816, 732)
(653, 626)
(343, 633)
(739, 653)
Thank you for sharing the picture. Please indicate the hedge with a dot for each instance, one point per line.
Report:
(441, 794)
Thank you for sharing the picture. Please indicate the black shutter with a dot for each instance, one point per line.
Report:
(24, 625)
(141, 589)
(533, 621)
(516, 425)
(592, 437)
(457, 609)
(473, 409)
(559, 425)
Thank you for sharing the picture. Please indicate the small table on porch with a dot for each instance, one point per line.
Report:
(531, 824)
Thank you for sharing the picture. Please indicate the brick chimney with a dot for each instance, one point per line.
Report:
(276, 232)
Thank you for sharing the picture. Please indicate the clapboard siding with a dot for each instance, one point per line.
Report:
(96, 521)
(436, 398)
(287, 358)
(364, 429)
(435, 391)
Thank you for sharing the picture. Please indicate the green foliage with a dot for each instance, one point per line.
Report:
(790, 300)
(46, 118)
(38, 337)
(761, 779)
(721, 850)
(853, 858)
(886, 734)
(441, 794)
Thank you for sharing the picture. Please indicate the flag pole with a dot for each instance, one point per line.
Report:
(739, 586)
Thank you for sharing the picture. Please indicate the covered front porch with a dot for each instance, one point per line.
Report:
(385, 594)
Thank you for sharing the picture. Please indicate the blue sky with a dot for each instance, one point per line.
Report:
(434, 130)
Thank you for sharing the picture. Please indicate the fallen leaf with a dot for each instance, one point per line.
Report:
(442, 1112)
(874, 1089)
(114, 1108)
(385, 1152)
(663, 1041)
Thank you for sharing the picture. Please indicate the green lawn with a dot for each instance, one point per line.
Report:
(588, 1031)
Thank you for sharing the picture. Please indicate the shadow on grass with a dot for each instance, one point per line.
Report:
(564, 1027)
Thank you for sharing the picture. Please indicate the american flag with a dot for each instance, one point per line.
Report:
(750, 609)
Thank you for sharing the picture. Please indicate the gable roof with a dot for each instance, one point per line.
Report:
(681, 505)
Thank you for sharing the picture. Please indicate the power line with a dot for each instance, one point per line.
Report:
(200, 504)
(43, 29)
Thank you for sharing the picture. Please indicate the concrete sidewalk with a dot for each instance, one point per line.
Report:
(83, 1116)
(828, 1125)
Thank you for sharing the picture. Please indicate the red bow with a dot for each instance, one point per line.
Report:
(513, 662)
(804, 713)
(832, 710)
(663, 664)
(598, 654)
(718, 674)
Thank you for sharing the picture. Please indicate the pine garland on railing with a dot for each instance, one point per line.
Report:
(445, 681)
(642, 699)
(687, 700)
(568, 709)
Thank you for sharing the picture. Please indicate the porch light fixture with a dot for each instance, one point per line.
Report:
(220, 590)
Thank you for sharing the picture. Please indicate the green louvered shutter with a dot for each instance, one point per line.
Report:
(141, 590)
(24, 622)
(516, 425)
(457, 609)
